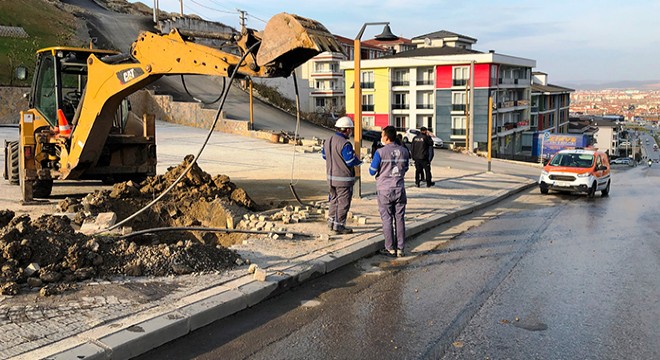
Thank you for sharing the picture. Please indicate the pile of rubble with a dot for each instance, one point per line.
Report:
(47, 253)
(197, 200)
(51, 254)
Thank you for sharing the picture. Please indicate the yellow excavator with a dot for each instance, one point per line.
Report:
(77, 125)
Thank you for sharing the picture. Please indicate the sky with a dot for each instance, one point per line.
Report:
(573, 41)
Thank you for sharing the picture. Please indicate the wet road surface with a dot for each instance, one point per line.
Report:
(537, 277)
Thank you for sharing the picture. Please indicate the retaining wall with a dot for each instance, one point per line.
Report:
(11, 103)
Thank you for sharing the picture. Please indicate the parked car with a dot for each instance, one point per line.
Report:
(371, 135)
(577, 170)
(622, 160)
(411, 133)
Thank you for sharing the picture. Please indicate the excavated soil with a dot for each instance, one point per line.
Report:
(48, 253)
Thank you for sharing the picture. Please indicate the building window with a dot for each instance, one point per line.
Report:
(425, 76)
(400, 101)
(367, 80)
(461, 75)
(458, 125)
(400, 78)
(367, 102)
(368, 122)
(401, 123)
(458, 101)
(320, 102)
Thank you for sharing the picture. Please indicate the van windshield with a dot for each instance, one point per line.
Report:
(573, 160)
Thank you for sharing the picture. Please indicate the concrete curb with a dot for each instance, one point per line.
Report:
(137, 334)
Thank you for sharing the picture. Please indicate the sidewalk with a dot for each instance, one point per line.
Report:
(127, 317)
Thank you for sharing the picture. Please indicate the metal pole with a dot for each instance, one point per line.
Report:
(490, 130)
(181, 6)
(470, 148)
(155, 11)
(357, 118)
(251, 106)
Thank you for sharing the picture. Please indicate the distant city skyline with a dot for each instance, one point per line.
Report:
(574, 42)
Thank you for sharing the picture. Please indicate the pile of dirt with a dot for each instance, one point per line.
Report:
(197, 200)
(48, 253)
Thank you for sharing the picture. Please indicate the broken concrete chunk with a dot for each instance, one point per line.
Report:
(260, 274)
(31, 269)
(362, 220)
(252, 268)
(106, 219)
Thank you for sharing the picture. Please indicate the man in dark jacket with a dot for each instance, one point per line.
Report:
(422, 146)
(340, 159)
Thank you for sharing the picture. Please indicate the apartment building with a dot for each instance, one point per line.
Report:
(549, 111)
(433, 85)
(550, 105)
(321, 81)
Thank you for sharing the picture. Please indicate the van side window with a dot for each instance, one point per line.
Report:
(598, 161)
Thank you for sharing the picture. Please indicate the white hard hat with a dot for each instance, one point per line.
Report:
(344, 122)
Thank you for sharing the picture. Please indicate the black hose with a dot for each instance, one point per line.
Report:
(206, 229)
(183, 81)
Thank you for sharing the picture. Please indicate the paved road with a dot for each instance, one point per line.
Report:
(545, 277)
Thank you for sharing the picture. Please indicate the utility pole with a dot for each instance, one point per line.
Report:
(155, 11)
(243, 13)
(471, 120)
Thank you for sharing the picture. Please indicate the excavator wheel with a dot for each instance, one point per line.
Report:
(11, 162)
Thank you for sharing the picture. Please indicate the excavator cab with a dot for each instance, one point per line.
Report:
(59, 82)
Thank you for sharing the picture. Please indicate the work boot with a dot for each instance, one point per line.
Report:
(331, 224)
(417, 184)
(400, 253)
(430, 184)
(387, 252)
(342, 230)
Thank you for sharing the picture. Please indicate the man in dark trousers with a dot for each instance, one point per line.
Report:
(339, 162)
(422, 145)
(390, 164)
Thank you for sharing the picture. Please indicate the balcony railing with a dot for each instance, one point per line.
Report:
(367, 107)
(459, 82)
(400, 106)
(458, 107)
(424, 82)
(400, 83)
(424, 106)
(367, 85)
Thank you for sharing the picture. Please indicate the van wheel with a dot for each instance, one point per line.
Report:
(592, 191)
(544, 188)
(606, 192)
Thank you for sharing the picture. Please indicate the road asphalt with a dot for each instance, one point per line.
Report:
(123, 318)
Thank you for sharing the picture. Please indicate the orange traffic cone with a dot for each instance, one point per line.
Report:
(63, 125)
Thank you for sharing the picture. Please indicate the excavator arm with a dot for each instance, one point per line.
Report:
(287, 42)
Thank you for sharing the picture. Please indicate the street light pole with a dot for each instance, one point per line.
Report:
(357, 118)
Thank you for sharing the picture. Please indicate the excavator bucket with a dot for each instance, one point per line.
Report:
(290, 40)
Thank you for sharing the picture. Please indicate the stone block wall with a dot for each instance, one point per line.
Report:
(11, 103)
(184, 113)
